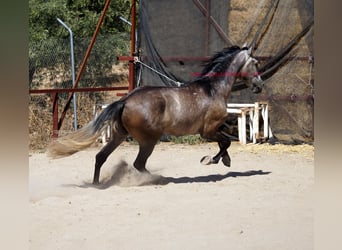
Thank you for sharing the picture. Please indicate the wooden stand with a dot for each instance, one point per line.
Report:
(253, 111)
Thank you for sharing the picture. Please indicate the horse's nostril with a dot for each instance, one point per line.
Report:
(256, 89)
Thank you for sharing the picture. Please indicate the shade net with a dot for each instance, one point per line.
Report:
(176, 37)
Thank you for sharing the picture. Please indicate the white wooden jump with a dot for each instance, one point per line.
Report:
(106, 135)
(253, 111)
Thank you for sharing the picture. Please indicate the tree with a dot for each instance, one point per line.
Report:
(45, 32)
(80, 15)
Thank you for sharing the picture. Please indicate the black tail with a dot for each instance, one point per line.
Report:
(110, 114)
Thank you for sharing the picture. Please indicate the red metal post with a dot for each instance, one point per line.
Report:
(131, 64)
(55, 92)
(47, 91)
(55, 115)
(212, 21)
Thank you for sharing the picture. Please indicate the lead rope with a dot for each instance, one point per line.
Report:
(136, 60)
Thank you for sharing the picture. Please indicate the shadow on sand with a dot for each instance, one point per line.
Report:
(213, 178)
(127, 176)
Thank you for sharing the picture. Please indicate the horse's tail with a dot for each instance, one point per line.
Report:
(87, 135)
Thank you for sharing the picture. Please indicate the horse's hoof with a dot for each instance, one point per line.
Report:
(206, 160)
(226, 161)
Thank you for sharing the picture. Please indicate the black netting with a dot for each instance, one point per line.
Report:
(175, 37)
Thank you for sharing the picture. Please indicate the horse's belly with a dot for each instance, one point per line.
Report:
(183, 127)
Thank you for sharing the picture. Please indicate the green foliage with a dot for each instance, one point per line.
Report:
(42, 18)
(187, 139)
(49, 40)
(104, 54)
(80, 15)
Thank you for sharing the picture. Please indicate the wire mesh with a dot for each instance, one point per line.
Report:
(50, 68)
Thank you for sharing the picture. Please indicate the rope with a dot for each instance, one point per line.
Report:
(136, 60)
(151, 51)
(259, 34)
(280, 57)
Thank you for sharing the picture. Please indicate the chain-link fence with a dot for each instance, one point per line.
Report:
(50, 68)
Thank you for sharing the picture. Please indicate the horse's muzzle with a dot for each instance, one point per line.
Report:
(256, 89)
(257, 84)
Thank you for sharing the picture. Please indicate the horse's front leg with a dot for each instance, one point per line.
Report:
(223, 153)
(224, 142)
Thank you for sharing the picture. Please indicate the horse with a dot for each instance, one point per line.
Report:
(148, 112)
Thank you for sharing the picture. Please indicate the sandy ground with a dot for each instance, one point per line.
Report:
(263, 201)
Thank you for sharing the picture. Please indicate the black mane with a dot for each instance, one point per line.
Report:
(219, 62)
(217, 65)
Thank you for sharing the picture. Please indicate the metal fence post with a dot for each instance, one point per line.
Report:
(72, 68)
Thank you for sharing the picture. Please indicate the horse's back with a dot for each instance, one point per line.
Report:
(162, 110)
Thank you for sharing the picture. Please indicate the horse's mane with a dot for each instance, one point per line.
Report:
(219, 62)
(216, 65)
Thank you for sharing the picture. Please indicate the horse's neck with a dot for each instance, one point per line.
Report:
(234, 69)
(223, 86)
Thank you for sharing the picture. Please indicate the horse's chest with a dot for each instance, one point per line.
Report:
(217, 111)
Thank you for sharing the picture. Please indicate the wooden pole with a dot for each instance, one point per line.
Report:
(207, 27)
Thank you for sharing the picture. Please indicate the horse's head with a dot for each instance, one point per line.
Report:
(230, 64)
(249, 70)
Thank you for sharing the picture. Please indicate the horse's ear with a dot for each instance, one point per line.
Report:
(249, 51)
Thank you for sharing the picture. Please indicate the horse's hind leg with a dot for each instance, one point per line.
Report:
(102, 156)
(145, 150)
